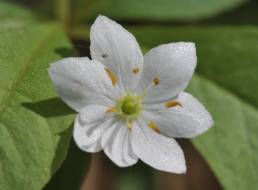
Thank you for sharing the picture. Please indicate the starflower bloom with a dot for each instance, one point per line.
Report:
(131, 106)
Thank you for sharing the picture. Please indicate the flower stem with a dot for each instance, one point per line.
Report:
(100, 174)
(64, 12)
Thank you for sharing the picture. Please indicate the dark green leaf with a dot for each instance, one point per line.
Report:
(162, 10)
(72, 172)
(246, 14)
(8, 11)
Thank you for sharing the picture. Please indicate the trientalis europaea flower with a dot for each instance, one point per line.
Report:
(132, 106)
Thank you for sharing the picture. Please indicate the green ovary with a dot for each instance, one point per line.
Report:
(130, 105)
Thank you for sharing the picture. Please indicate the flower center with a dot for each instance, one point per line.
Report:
(130, 106)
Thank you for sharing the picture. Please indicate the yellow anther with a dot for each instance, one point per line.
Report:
(156, 80)
(112, 76)
(154, 127)
(111, 110)
(136, 70)
(171, 104)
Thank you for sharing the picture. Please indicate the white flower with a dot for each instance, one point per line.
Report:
(132, 106)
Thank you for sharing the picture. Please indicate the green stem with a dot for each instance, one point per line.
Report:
(64, 12)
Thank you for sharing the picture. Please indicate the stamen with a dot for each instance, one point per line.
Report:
(136, 70)
(129, 126)
(111, 110)
(156, 80)
(154, 127)
(112, 76)
(171, 104)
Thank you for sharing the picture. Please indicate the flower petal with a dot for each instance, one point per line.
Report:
(158, 151)
(167, 71)
(116, 143)
(89, 126)
(186, 120)
(80, 82)
(118, 49)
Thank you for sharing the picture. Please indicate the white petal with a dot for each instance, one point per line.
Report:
(89, 126)
(158, 151)
(116, 143)
(80, 82)
(172, 65)
(186, 121)
(93, 113)
(117, 49)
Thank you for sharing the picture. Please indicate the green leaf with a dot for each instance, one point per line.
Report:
(162, 10)
(230, 147)
(246, 15)
(8, 10)
(73, 170)
(34, 124)
(226, 82)
(12, 15)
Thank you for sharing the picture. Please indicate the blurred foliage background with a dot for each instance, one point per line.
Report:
(34, 33)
